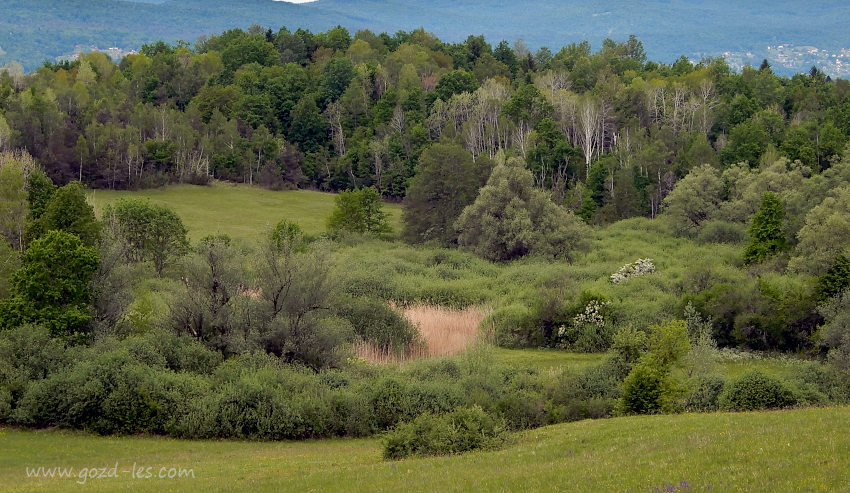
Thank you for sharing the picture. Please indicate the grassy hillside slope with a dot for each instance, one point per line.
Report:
(242, 211)
(799, 450)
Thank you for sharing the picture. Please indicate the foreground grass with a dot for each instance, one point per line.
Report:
(766, 451)
(242, 211)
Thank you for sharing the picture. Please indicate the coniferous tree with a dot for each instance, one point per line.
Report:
(767, 235)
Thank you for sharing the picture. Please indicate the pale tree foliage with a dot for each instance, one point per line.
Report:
(5, 134)
(825, 235)
(695, 199)
(16, 72)
(397, 121)
(333, 114)
(484, 131)
(589, 126)
(552, 82)
(13, 201)
(437, 119)
(476, 116)
(379, 150)
(683, 105)
(566, 106)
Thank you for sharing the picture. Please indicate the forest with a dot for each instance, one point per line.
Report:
(667, 217)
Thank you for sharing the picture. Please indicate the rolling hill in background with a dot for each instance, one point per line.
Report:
(811, 33)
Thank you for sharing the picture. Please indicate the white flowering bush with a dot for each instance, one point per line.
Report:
(588, 331)
(639, 267)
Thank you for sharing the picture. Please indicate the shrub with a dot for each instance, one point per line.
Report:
(643, 390)
(706, 395)
(639, 267)
(718, 231)
(5, 404)
(459, 431)
(28, 354)
(359, 211)
(377, 323)
(588, 331)
(754, 391)
(515, 327)
(649, 387)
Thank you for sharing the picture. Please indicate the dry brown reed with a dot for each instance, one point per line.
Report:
(444, 331)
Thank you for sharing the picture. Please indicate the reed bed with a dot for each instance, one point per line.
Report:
(444, 331)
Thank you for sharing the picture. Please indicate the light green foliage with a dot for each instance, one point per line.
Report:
(767, 232)
(834, 334)
(511, 219)
(13, 203)
(701, 360)
(68, 211)
(10, 260)
(147, 231)
(359, 211)
(650, 387)
(629, 344)
(695, 200)
(52, 285)
(825, 234)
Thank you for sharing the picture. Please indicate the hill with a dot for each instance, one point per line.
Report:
(34, 31)
(764, 451)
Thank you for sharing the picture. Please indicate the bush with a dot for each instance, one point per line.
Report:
(718, 231)
(515, 327)
(429, 434)
(705, 396)
(755, 391)
(111, 393)
(376, 322)
(643, 390)
(650, 387)
(28, 354)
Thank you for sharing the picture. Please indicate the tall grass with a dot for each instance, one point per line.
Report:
(444, 331)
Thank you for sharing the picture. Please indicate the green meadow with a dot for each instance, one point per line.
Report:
(242, 211)
(795, 450)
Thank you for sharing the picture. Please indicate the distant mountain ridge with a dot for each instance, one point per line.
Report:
(37, 30)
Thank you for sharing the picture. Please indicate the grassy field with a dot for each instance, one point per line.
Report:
(799, 450)
(242, 211)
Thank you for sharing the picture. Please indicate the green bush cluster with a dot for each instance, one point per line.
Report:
(755, 390)
(459, 431)
(163, 383)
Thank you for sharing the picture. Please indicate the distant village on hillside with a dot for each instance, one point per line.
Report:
(114, 52)
(791, 58)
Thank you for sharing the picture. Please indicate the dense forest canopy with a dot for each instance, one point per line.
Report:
(608, 133)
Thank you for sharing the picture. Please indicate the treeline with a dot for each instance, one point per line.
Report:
(607, 133)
